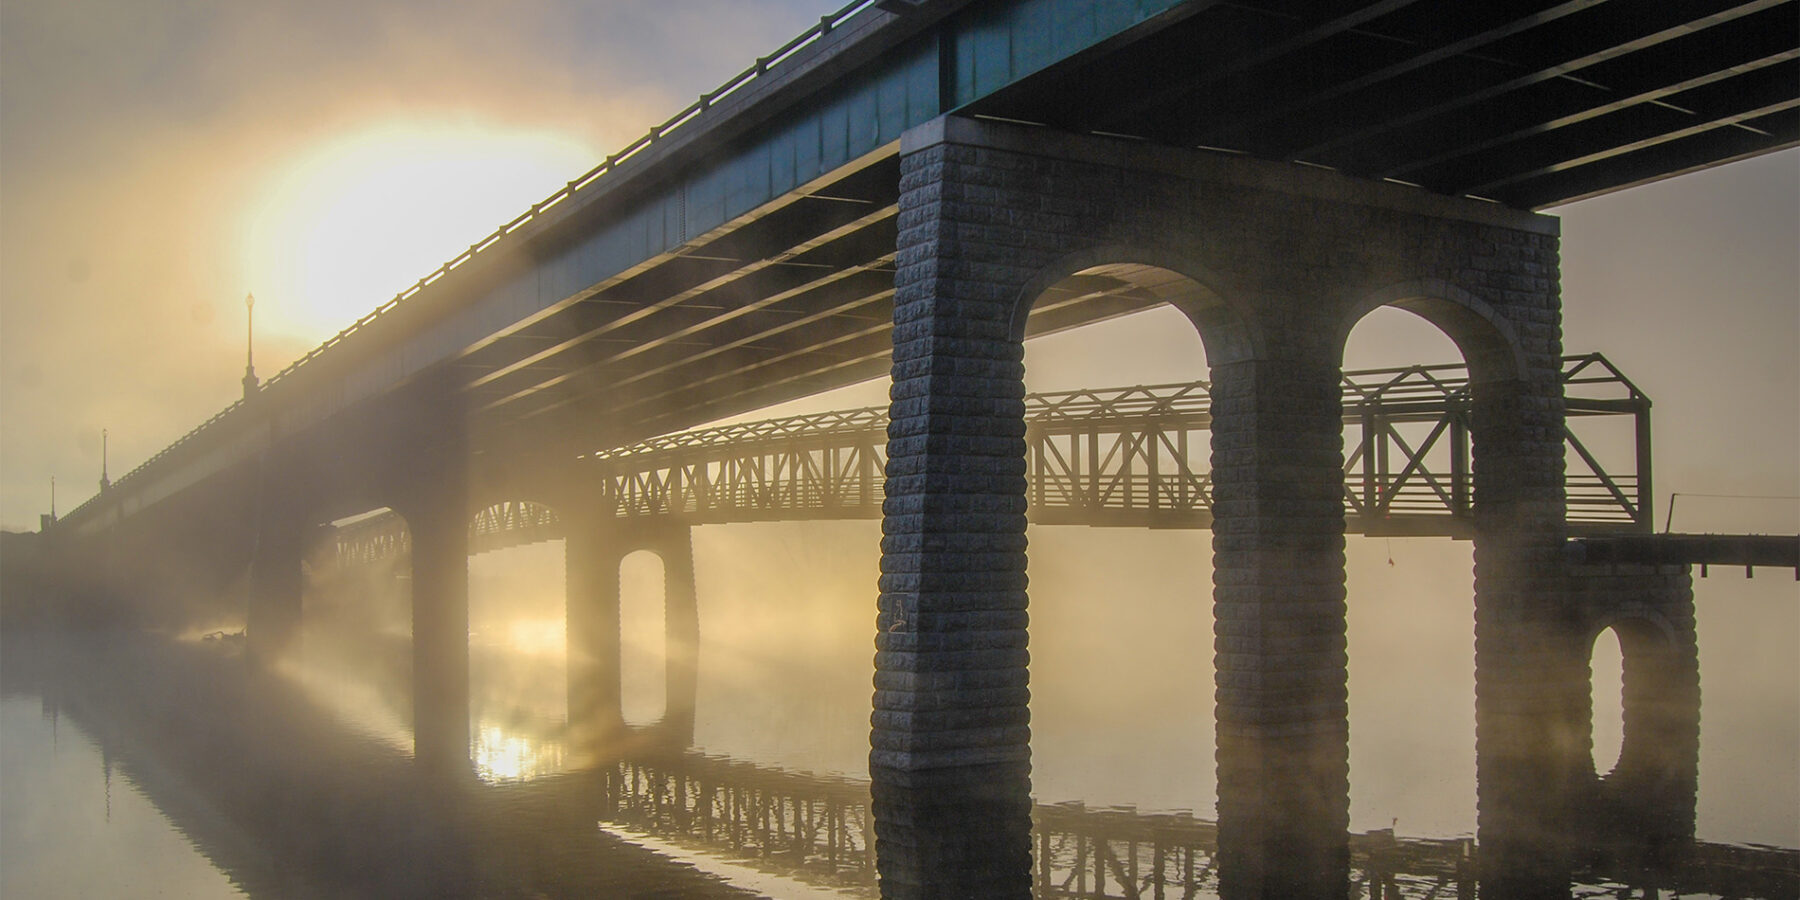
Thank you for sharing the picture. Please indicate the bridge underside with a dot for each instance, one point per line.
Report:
(790, 300)
(1531, 104)
(744, 253)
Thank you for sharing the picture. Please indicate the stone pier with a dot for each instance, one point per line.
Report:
(596, 544)
(1276, 264)
(437, 513)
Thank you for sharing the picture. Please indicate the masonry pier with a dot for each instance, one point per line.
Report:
(437, 514)
(597, 543)
(1278, 264)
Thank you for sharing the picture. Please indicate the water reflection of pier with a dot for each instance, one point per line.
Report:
(820, 828)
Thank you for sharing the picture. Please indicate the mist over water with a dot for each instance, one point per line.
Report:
(1121, 679)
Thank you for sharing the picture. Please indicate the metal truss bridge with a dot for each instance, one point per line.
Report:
(1118, 457)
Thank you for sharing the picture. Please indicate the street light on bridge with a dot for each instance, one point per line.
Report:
(249, 349)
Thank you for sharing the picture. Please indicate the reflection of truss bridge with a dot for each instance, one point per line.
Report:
(819, 829)
(1135, 456)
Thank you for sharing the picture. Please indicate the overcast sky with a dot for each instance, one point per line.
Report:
(160, 159)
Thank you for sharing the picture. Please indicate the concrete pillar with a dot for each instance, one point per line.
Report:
(1278, 601)
(1531, 672)
(272, 619)
(440, 601)
(591, 555)
(595, 546)
(950, 758)
(1642, 812)
(681, 622)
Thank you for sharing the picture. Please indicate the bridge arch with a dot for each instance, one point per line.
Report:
(1226, 330)
(1489, 343)
(614, 609)
(644, 584)
(1152, 459)
(1649, 678)
(1399, 459)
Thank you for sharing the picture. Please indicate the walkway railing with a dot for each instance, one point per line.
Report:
(1125, 457)
(763, 66)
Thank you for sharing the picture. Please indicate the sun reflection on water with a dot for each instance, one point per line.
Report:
(501, 756)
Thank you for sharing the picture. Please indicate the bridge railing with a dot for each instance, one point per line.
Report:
(1131, 456)
(1409, 460)
(761, 67)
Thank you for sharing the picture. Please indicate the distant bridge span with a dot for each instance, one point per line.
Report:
(1106, 457)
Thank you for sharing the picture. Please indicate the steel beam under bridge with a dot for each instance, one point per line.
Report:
(1121, 457)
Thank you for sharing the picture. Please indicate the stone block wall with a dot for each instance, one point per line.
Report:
(1285, 260)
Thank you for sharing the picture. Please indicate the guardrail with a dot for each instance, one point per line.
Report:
(1129, 456)
(763, 66)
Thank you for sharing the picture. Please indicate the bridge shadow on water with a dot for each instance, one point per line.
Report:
(289, 802)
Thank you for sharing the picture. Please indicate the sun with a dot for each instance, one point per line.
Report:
(356, 220)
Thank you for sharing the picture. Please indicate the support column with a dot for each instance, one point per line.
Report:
(1531, 670)
(681, 623)
(591, 555)
(1642, 812)
(272, 619)
(951, 757)
(440, 601)
(1278, 559)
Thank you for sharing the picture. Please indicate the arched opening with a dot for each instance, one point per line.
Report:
(1606, 663)
(518, 681)
(643, 638)
(1411, 363)
(1119, 555)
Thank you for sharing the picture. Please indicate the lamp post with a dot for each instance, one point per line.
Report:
(249, 349)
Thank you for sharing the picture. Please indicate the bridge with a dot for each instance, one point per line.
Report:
(913, 188)
(1115, 457)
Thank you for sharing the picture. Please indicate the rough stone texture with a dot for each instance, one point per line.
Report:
(1290, 259)
(1278, 602)
(1644, 807)
(1540, 795)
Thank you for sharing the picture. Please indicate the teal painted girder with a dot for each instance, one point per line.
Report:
(995, 46)
(969, 56)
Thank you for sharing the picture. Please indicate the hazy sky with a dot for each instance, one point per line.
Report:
(160, 159)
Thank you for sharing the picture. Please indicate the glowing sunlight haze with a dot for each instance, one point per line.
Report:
(355, 221)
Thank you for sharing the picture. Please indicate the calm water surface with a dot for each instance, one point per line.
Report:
(74, 823)
(208, 781)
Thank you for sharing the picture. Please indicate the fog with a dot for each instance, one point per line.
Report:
(158, 161)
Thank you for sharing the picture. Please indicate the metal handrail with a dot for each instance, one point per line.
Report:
(1437, 382)
(762, 67)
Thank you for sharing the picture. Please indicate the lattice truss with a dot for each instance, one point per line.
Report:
(818, 826)
(818, 829)
(1123, 854)
(1134, 456)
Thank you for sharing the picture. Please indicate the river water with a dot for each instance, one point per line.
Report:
(162, 767)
